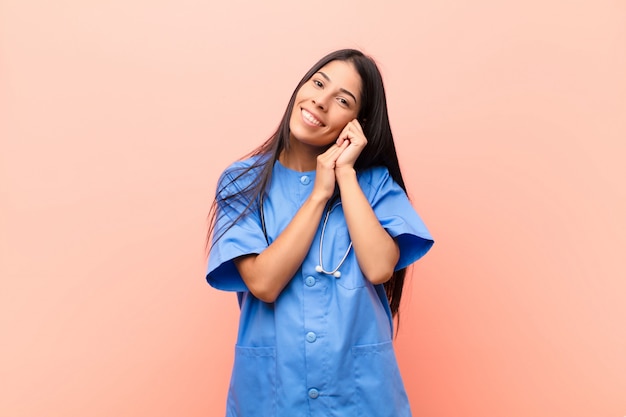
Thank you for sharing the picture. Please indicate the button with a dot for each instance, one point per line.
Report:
(313, 393)
(309, 281)
(305, 179)
(311, 337)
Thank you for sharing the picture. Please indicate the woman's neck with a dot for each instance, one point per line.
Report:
(299, 158)
(296, 163)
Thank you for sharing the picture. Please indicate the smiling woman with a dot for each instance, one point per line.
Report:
(314, 231)
(324, 105)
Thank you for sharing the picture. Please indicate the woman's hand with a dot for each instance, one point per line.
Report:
(353, 134)
(324, 186)
(342, 154)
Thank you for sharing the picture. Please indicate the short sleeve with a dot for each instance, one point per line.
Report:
(234, 236)
(399, 218)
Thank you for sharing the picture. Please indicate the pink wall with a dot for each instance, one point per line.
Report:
(116, 118)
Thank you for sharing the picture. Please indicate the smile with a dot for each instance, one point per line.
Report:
(308, 117)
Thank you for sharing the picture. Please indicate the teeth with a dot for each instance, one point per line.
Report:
(309, 117)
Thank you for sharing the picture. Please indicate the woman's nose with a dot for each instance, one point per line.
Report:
(321, 101)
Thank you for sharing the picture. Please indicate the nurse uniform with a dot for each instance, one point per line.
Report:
(324, 347)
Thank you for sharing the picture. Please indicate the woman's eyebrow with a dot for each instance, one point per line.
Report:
(341, 89)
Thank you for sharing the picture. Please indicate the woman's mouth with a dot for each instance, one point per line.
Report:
(310, 119)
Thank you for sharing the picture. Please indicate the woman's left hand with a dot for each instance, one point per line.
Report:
(353, 132)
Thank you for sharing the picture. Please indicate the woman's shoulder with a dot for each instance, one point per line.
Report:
(377, 182)
(251, 162)
(241, 174)
(246, 167)
(374, 176)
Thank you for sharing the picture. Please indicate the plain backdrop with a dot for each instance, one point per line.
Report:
(117, 116)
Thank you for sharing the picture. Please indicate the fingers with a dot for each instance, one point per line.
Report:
(342, 153)
(347, 147)
(328, 159)
(357, 125)
(325, 172)
(353, 132)
(353, 135)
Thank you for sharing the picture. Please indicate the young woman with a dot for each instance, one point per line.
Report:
(314, 231)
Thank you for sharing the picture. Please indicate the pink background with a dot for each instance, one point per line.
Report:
(116, 118)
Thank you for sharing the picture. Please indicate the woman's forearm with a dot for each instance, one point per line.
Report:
(376, 251)
(267, 273)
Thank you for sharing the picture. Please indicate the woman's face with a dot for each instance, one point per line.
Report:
(325, 104)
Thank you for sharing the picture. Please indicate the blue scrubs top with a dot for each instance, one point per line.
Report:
(324, 347)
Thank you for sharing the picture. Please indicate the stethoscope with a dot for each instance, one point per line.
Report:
(320, 267)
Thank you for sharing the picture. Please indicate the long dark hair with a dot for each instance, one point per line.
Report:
(380, 151)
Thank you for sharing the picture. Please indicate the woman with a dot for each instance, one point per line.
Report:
(314, 231)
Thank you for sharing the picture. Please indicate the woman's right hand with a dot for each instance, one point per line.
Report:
(324, 186)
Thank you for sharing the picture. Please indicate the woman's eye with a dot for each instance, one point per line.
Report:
(318, 83)
(343, 101)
